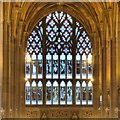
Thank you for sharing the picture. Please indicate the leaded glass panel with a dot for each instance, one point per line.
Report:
(33, 93)
(27, 91)
(78, 92)
(69, 92)
(48, 92)
(40, 93)
(55, 92)
(62, 92)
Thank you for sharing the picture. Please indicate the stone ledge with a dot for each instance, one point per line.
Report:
(59, 119)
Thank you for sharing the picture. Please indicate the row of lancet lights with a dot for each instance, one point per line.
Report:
(28, 59)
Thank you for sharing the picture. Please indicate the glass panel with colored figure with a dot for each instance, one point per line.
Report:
(62, 93)
(62, 66)
(83, 66)
(90, 94)
(78, 89)
(33, 93)
(40, 66)
(55, 92)
(83, 93)
(69, 92)
(48, 93)
(40, 93)
(27, 93)
(48, 66)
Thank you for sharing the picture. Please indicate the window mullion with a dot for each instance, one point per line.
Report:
(80, 66)
(37, 92)
(81, 91)
(52, 66)
(86, 66)
(65, 79)
(44, 49)
(73, 38)
(59, 79)
(37, 66)
(87, 92)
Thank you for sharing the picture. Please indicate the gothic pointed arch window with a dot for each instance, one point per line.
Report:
(58, 61)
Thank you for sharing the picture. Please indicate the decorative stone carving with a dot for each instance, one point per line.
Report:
(59, 113)
(32, 113)
(44, 116)
(87, 113)
(75, 116)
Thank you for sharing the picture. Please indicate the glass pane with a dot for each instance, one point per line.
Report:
(77, 92)
(27, 70)
(62, 92)
(55, 93)
(40, 92)
(77, 66)
(83, 66)
(48, 93)
(89, 66)
(40, 64)
(69, 66)
(55, 66)
(84, 92)
(48, 66)
(62, 66)
(69, 93)
(34, 69)
(33, 94)
(90, 92)
(27, 92)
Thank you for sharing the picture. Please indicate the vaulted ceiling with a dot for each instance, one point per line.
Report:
(91, 15)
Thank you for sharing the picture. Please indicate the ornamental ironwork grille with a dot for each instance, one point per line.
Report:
(58, 63)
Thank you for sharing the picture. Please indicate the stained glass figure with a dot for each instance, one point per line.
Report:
(83, 66)
(78, 66)
(27, 65)
(40, 66)
(69, 92)
(90, 92)
(83, 92)
(90, 66)
(62, 93)
(33, 93)
(27, 69)
(69, 66)
(27, 93)
(48, 92)
(48, 66)
(55, 92)
(62, 66)
(55, 66)
(40, 93)
(78, 95)
(34, 69)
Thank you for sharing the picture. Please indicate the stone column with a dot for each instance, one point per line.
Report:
(113, 51)
(1, 58)
(21, 80)
(95, 43)
(118, 61)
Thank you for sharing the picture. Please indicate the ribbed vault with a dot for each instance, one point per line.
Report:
(28, 14)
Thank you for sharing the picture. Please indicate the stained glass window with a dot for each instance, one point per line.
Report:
(58, 62)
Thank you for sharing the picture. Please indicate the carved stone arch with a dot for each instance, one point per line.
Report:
(72, 10)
